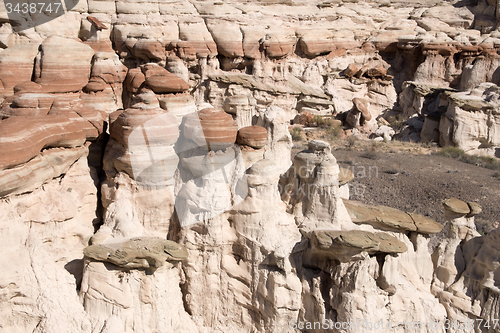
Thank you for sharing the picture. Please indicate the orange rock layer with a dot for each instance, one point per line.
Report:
(253, 136)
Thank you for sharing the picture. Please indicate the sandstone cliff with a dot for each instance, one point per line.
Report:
(146, 179)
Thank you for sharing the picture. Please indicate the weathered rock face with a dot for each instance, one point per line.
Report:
(137, 253)
(110, 297)
(279, 138)
(24, 138)
(104, 90)
(241, 245)
(63, 65)
(341, 249)
(315, 179)
(45, 166)
(460, 279)
(194, 233)
(16, 66)
(44, 231)
(387, 218)
(467, 120)
(162, 81)
(471, 121)
(252, 136)
(228, 38)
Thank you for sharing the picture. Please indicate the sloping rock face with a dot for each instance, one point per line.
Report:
(146, 183)
(37, 259)
(391, 219)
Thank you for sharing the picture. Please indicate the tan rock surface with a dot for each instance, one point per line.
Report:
(279, 43)
(137, 253)
(16, 66)
(196, 33)
(387, 218)
(162, 81)
(228, 38)
(341, 243)
(456, 206)
(239, 213)
(253, 136)
(316, 42)
(64, 65)
(23, 138)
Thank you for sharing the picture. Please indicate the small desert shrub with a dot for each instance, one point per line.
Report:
(452, 152)
(372, 152)
(490, 163)
(482, 161)
(325, 122)
(395, 168)
(496, 175)
(296, 134)
(351, 141)
(335, 131)
(397, 122)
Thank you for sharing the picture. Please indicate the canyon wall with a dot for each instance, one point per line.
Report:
(147, 184)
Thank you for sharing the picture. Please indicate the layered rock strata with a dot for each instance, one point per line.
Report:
(266, 241)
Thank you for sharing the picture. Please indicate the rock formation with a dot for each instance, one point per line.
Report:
(253, 136)
(147, 183)
(137, 253)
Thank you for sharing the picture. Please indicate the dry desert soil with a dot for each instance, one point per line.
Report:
(415, 178)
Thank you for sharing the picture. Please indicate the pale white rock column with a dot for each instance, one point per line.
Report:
(127, 301)
(43, 233)
(274, 120)
(448, 257)
(315, 193)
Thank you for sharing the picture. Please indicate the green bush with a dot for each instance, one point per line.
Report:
(482, 161)
(452, 152)
(335, 131)
(296, 134)
(324, 122)
(397, 122)
(490, 163)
